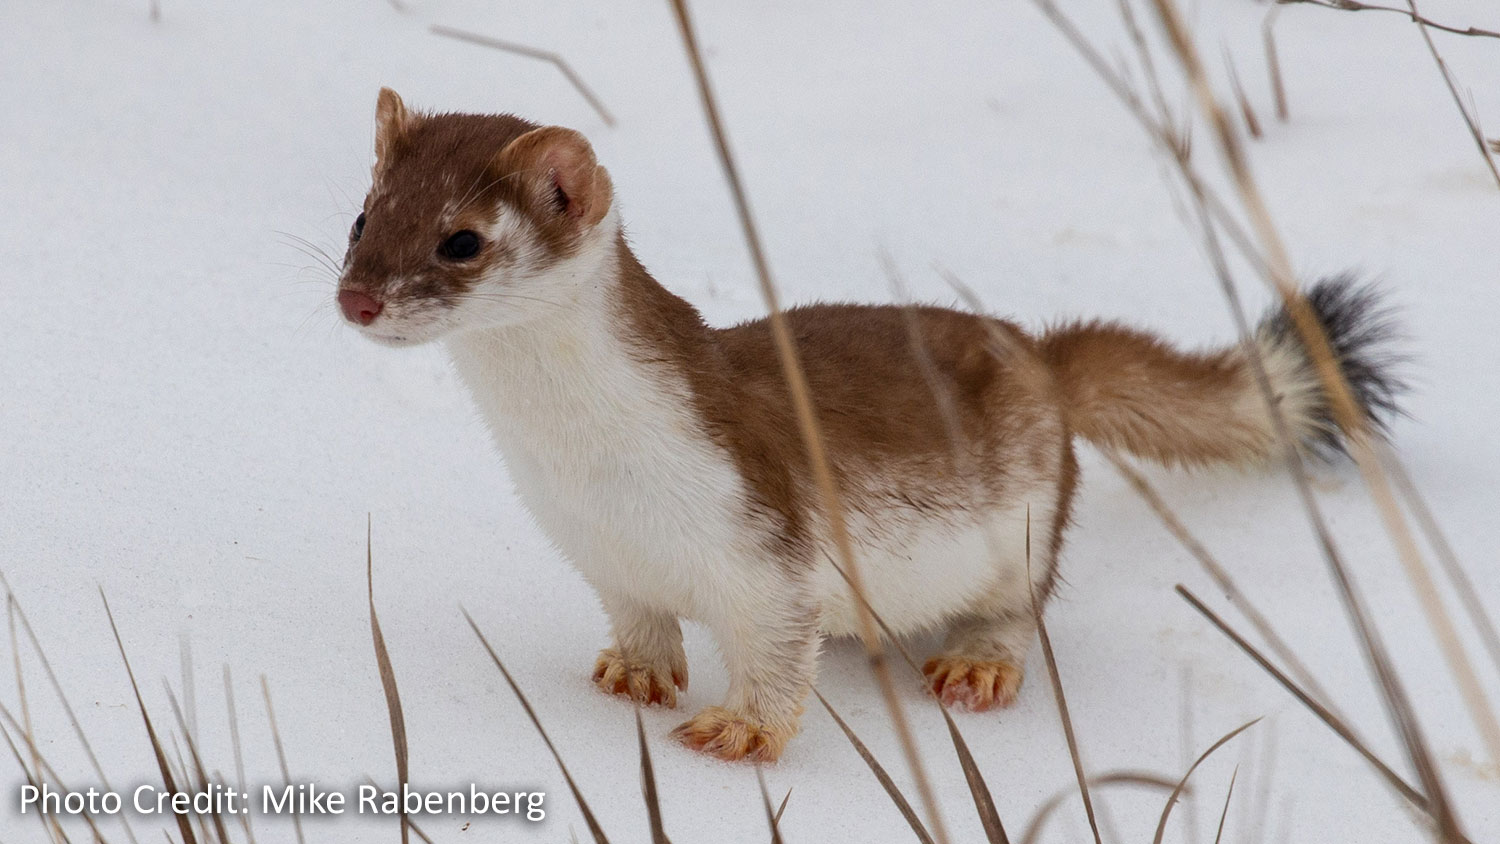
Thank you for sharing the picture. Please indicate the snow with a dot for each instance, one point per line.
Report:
(186, 425)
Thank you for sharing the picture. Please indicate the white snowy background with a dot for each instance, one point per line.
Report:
(185, 423)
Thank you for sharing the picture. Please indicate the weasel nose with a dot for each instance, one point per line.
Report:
(358, 307)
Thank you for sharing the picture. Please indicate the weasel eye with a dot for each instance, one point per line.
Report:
(359, 227)
(460, 246)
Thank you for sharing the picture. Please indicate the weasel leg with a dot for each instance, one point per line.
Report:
(772, 660)
(647, 663)
(982, 662)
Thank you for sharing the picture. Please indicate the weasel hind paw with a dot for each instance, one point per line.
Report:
(718, 732)
(643, 683)
(974, 685)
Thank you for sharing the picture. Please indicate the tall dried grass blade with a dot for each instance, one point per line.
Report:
(239, 755)
(388, 683)
(765, 798)
(83, 741)
(1048, 806)
(49, 824)
(891, 789)
(1057, 693)
(1463, 586)
(555, 59)
(286, 773)
(1166, 812)
(1341, 729)
(220, 833)
(1346, 411)
(583, 806)
(648, 785)
(184, 828)
(1223, 816)
(807, 420)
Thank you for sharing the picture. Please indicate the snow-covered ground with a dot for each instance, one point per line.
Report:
(185, 423)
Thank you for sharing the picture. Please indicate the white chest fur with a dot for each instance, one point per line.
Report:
(605, 453)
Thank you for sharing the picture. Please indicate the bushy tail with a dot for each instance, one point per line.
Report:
(1127, 390)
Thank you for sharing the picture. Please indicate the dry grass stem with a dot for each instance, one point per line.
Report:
(532, 52)
(388, 684)
(1050, 805)
(880, 773)
(1057, 693)
(1166, 811)
(648, 785)
(810, 428)
(583, 806)
(1471, 121)
(1273, 62)
(1217, 573)
(1333, 722)
(773, 819)
(1252, 123)
(1355, 6)
(1228, 795)
(239, 756)
(1347, 412)
(183, 827)
(1463, 586)
(286, 773)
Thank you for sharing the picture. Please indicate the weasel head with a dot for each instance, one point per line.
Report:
(471, 221)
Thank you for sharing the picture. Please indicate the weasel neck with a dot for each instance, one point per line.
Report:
(616, 353)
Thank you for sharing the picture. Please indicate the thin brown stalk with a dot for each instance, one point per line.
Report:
(1186, 743)
(1273, 61)
(648, 785)
(1166, 811)
(286, 773)
(220, 833)
(780, 810)
(416, 830)
(1216, 572)
(1333, 722)
(891, 789)
(388, 684)
(979, 790)
(1471, 122)
(1350, 417)
(1057, 692)
(1412, 15)
(49, 772)
(49, 824)
(1252, 123)
(1228, 795)
(1050, 805)
(774, 819)
(583, 806)
(36, 647)
(807, 420)
(239, 756)
(184, 828)
(1463, 586)
(533, 53)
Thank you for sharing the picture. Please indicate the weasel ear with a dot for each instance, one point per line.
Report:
(391, 122)
(560, 173)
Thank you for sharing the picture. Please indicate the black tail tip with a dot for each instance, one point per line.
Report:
(1362, 329)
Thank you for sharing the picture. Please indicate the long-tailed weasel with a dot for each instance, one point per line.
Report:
(663, 458)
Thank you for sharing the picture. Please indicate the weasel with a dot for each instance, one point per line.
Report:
(662, 456)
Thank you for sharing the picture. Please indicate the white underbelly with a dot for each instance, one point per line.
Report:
(921, 571)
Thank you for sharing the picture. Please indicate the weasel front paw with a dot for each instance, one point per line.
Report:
(643, 683)
(719, 732)
(975, 685)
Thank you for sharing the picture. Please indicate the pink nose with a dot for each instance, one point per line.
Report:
(358, 307)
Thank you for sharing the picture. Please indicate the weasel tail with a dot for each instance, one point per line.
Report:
(1124, 389)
